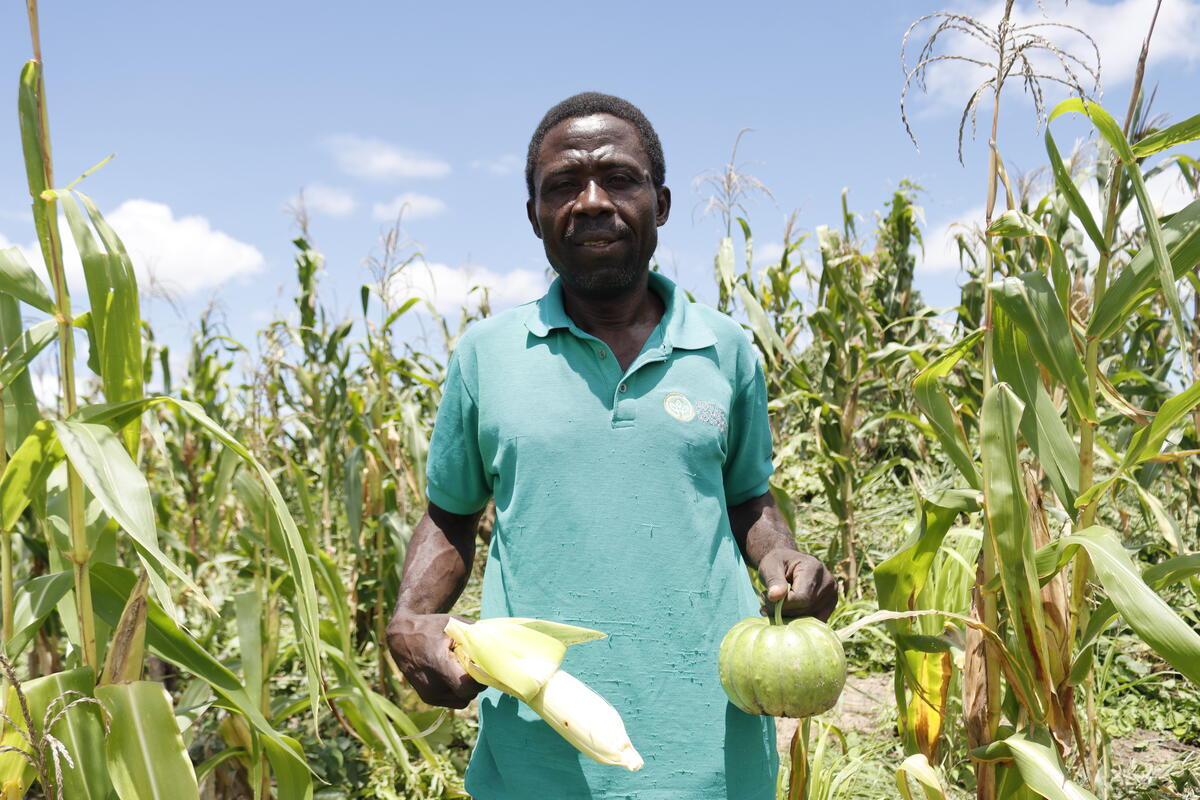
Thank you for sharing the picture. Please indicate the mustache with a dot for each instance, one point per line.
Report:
(577, 234)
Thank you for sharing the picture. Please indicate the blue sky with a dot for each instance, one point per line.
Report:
(220, 112)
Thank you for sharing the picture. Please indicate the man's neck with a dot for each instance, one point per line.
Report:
(638, 308)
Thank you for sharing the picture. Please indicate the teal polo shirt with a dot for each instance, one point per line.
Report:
(611, 490)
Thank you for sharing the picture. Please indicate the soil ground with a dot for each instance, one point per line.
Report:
(866, 701)
(862, 707)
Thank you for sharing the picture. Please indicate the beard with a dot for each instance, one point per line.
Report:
(601, 283)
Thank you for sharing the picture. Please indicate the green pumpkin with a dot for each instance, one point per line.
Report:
(792, 670)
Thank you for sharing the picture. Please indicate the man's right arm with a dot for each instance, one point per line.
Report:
(436, 568)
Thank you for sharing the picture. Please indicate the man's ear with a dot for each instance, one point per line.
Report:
(533, 220)
(664, 206)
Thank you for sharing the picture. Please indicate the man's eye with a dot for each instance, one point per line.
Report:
(620, 180)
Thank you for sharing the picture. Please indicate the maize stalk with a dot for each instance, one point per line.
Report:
(521, 657)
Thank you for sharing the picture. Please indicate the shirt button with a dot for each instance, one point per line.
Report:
(622, 388)
(602, 353)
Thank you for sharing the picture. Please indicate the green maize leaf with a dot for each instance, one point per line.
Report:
(1158, 247)
(295, 547)
(106, 468)
(20, 406)
(1018, 225)
(18, 279)
(34, 134)
(899, 579)
(26, 348)
(1008, 529)
(374, 710)
(1034, 309)
(1146, 442)
(1105, 124)
(249, 612)
(80, 729)
(824, 320)
(1039, 765)
(1013, 667)
(27, 471)
(1179, 133)
(32, 604)
(725, 265)
(1108, 128)
(293, 781)
(893, 351)
(785, 504)
(1148, 614)
(32, 126)
(116, 315)
(354, 492)
(1162, 519)
(764, 332)
(917, 767)
(1181, 235)
(111, 586)
(220, 758)
(1070, 191)
(1171, 571)
(145, 753)
(944, 419)
(331, 586)
(1041, 425)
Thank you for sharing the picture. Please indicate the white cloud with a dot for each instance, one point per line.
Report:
(767, 253)
(1168, 193)
(182, 255)
(328, 200)
(941, 249)
(1118, 29)
(411, 205)
(375, 159)
(506, 164)
(448, 289)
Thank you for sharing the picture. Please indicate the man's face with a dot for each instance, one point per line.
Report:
(594, 205)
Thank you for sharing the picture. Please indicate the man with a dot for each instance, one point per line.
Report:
(623, 434)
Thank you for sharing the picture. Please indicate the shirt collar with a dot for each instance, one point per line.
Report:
(683, 329)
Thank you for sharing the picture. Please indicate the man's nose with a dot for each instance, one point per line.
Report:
(593, 200)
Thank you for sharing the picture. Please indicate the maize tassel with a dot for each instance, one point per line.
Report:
(521, 657)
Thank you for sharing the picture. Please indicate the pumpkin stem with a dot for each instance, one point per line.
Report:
(778, 610)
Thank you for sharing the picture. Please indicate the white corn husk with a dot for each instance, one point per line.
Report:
(521, 657)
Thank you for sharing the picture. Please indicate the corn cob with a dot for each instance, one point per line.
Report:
(521, 657)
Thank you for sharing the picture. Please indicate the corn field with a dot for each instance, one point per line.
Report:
(195, 579)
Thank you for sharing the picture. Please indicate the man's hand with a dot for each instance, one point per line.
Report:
(422, 651)
(803, 582)
(766, 542)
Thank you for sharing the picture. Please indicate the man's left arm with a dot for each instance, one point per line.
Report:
(767, 543)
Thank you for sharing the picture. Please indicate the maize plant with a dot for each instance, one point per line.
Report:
(89, 566)
(1056, 437)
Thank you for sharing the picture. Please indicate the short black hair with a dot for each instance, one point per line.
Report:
(585, 104)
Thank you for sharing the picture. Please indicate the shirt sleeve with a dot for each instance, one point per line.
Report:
(456, 479)
(748, 464)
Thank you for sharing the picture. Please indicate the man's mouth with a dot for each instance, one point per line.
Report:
(594, 240)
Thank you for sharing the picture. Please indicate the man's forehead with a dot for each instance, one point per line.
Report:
(593, 136)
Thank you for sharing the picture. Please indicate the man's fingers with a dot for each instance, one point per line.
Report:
(811, 589)
(773, 572)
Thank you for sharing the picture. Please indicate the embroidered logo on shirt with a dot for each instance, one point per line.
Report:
(713, 414)
(679, 407)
